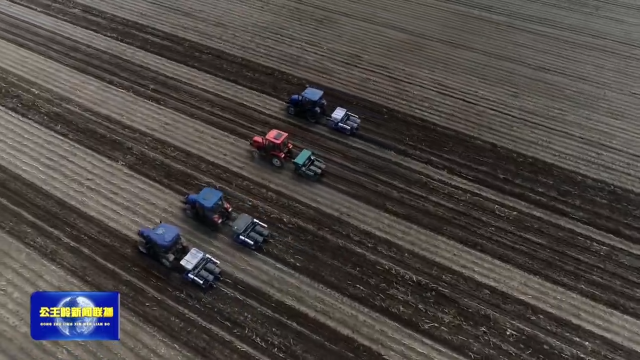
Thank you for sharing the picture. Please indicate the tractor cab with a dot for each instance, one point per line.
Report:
(310, 103)
(274, 145)
(308, 165)
(208, 205)
(162, 242)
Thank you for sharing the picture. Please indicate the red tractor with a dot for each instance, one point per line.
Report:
(275, 147)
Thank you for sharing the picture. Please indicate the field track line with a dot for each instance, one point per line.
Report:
(132, 280)
(251, 98)
(83, 179)
(475, 265)
(595, 290)
(24, 272)
(541, 145)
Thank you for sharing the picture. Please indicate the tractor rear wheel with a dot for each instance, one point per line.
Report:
(276, 161)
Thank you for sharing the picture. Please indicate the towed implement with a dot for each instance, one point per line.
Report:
(250, 232)
(165, 244)
(208, 207)
(312, 106)
(308, 165)
(344, 121)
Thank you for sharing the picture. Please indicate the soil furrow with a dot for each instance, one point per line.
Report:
(397, 302)
(221, 308)
(125, 201)
(81, 130)
(19, 279)
(589, 201)
(222, 89)
(55, 249)
(583, 273)
(28, 272)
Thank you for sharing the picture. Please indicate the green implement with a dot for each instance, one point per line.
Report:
(308, 165)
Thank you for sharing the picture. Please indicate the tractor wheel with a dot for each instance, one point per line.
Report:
(276, 161)
(291, 110)
(255, 154)
(166, 263)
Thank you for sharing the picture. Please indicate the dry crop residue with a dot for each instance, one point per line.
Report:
(423, 241)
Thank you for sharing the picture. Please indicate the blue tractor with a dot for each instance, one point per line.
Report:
(344, 121)
(208, 207)
(250, 232)
(310, 104)
(165, 244)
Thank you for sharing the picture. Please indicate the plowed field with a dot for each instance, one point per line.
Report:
(489, 209)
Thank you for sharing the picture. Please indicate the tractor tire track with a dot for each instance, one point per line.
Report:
(590, 201)
(177, 119)
(448, 106)
(288, 252)
(124, 200)
(71, 222)
(65, 256)
(567, 269)
(23, 272)
(173, 178)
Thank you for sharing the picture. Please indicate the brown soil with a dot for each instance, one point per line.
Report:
(387, 278)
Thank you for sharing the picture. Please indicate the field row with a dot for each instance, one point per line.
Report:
(102, 92)
(545, 185)
(560, 119)
(473, 251)
(486, 216)
(126, 201)
(24, 272)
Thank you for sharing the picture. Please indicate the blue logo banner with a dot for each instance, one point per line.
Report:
(76, 316)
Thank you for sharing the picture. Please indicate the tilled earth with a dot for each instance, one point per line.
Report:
(421, 242)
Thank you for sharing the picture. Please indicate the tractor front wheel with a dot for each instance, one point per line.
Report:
(255, 154)
(276, 161)
(291, 110)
